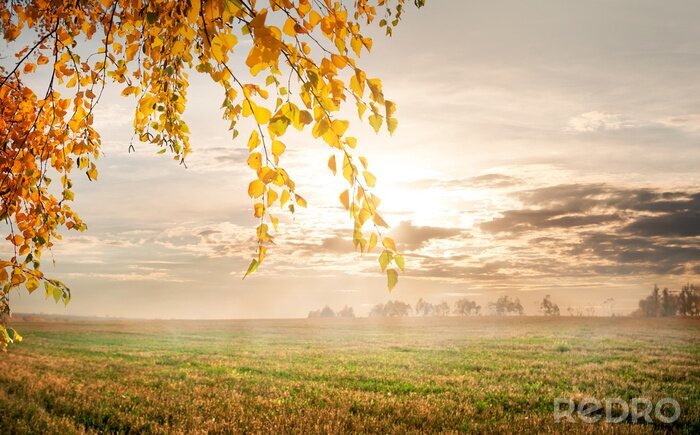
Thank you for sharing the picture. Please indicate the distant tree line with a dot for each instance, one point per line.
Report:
(328, 312)
(667, 303)
(660, 303)
(503, 306)
(391, 309)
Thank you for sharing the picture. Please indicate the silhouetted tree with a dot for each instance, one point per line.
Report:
(669, 303)
(442, 309)
(465, 307)
(609, 303)
(391, 309)
(505, 305)
(650, 306)
(346, 312)
(548, 307)
(325, 312)
(689, 301)
(424, 308)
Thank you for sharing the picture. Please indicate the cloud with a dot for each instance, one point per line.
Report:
(527, 220)
(598, 121)
(411, 237)
(690, 122)
(682, 224)
(492, 181)
(156, 276)
(604, 229)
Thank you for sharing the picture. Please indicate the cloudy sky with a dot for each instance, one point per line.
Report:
(544, 147)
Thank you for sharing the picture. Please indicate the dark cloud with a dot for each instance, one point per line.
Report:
(337, 244)
(607, 230)
(221, 154)
(644, 211)
(623, 254)
(407, 236)
(683, 224)
(579, 198)
(411, 237)
(206, 233)
(527, 220)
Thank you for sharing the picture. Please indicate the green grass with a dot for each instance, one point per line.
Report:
(342, 375)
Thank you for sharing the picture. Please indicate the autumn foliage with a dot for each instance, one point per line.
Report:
(301, 68)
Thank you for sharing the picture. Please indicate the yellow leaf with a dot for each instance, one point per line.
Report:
(392, 278)
(254, 140)
(301, 202)
(255, 161)
(129, 90)
(266, 174)
(277, 148)
(375, 87)
(345, 199)
(271, 197)
(370, 179)
(372, 242)
(339, 127)
(314, 18)
(338, 61)
(375, 121)
(398, 259)
(363, 215)
(228, 40)
(331, 164)
(391, 124)
(252, 268)
(92, 173)
(379, 221)
(384, 259)
(289, 27)
(388, 243)
(390, 108)
(261, 114)
(278, 125)
(259, 209)
(284, 197)
(256, 188)
(31, 284)
(356, 45)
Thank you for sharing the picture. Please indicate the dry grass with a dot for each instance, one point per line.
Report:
(338, 375)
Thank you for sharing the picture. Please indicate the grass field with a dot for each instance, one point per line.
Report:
(337, 375)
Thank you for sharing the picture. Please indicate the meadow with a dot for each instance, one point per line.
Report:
(481, 374)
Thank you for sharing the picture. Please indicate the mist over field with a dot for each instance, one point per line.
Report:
(376, 216)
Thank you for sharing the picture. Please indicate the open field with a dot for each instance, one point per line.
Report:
(338, 375)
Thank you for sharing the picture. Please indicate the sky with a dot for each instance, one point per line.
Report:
(544, 147)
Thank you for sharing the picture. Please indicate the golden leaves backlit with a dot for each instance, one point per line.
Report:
(308, 71)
